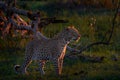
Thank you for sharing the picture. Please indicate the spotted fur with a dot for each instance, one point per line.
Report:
(52, 49)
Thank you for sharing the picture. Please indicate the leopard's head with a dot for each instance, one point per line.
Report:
(72, 33)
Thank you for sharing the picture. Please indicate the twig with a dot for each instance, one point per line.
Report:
(113, 22)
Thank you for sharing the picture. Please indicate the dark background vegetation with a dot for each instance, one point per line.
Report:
(93, 19)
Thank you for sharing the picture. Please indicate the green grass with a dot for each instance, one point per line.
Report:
(12, 49)
(72, 69)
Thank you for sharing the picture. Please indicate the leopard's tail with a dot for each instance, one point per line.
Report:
(17, 68)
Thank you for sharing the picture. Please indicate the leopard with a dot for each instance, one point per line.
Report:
(48, 49)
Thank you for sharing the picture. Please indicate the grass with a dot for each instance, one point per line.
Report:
(74, 69)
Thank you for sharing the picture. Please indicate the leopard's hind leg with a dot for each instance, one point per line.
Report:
(28, 59)
(25, 64)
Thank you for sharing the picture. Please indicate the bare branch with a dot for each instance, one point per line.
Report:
(20, 27)
(32, 15)
(46, 21)
(29, 14)
(113, 21)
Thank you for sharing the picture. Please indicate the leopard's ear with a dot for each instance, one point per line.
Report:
(72, 26)
(67, 29)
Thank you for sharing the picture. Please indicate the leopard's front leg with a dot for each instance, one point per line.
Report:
(41, 64)
(56, 66)
(60, 63)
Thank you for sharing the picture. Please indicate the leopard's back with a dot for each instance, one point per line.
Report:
(35, 49)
